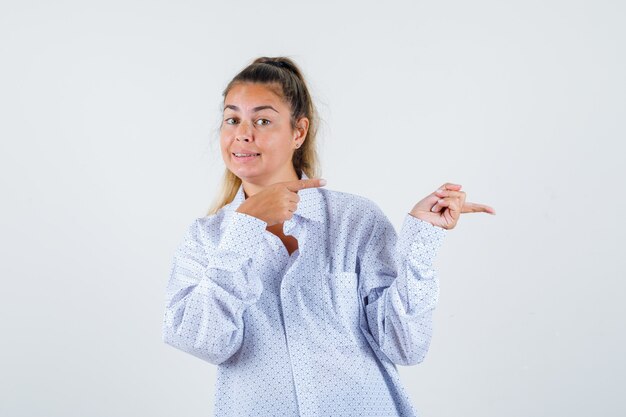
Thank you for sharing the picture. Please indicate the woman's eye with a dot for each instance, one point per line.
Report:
(229, 121)
(260, 122)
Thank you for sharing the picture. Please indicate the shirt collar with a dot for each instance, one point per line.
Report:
(309, 206)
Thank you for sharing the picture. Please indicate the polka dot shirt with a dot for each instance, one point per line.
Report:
(315, 333)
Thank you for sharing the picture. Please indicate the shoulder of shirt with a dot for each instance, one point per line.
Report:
(206, 228)
(353, 205)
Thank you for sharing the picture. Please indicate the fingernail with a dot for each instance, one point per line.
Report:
(322, 182)
(432, 208)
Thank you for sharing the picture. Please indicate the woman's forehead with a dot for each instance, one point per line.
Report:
(252, 95)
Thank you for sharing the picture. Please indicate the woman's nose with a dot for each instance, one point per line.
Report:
(244, 132)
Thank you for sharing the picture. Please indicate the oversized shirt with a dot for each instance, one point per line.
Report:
(315, 333)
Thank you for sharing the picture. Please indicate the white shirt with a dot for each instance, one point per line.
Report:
(317, 333)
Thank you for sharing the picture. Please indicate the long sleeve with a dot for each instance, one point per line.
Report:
(210, 287)
(399, 287)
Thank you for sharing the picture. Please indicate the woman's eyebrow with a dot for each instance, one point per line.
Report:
(255, 109)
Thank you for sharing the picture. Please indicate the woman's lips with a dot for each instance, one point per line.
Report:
(244, 158)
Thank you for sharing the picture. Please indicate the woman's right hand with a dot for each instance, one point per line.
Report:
(277, 202)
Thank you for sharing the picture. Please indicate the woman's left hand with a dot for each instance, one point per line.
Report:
(444, 207)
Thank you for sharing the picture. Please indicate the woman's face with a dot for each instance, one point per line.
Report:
(257, 121)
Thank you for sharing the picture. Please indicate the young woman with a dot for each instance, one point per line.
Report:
(304, 297)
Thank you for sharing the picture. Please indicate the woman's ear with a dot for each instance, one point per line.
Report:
(302, 127)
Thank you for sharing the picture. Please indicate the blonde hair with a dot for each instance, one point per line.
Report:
(285, 78)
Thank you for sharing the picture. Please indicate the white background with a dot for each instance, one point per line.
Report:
(109, 150)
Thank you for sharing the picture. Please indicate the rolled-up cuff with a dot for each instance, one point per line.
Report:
(420, 240)
(243, 234)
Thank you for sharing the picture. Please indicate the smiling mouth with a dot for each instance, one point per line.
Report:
(246, 154)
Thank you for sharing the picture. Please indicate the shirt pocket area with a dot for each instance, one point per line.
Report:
(341, 300)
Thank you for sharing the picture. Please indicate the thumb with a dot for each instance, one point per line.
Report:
(427, 203)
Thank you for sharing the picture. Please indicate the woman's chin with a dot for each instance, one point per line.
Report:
(244, 173)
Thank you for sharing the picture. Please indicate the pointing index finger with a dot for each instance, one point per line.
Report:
(306, 183)
(476, 208)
